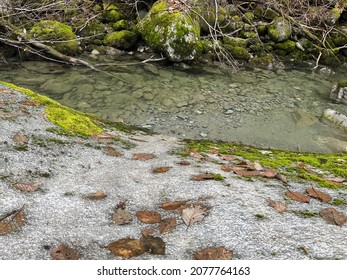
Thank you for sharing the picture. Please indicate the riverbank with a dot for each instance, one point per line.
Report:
(67, 169)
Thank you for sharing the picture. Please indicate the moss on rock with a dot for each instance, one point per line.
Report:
(121, 25)
(111, 13)
(286, 46)
(235, 41)
(175, 34)
(237, 52)
(56, 34)
(279, 30)
(121, 39)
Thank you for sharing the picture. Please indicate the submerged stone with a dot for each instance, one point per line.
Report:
(175, 34)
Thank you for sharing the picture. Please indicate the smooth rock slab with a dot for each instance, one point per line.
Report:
(338, 119)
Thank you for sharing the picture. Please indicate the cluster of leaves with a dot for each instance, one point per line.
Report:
(328, 170)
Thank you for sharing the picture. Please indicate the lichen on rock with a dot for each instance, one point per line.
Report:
(56, 34)
(175, 34)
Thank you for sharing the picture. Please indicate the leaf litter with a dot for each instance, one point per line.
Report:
(148, 217)
(332, 216)
(322, 196)
(64, 252)
(20, 139)
(297, 196)
(12, 221)
(277, 205)
(121, 217)
(193, 214)
(214, 253)
(26, 187)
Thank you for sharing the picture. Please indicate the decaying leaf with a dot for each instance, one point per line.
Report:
(127, 248)
(277, 205)
(64, 252)
(29, 103)
(203, 177)
(322, 196)
(153, 245)
(297, 196)
(282, 178)
(304, 167)
(148, 217)
(26, 187)
(12, 221)
(143, 156)
(172, 205)
(226, 168)
(121, 205)
(20, 139)
(183, 162)
(161, 169)
(227, 157)
(332, 216)
(103, 138)
(148, 231)
(121, 217)
(6, 115)
(193, 214)
(244, 172)
(98, 195)
(335, 180)
(167, 225)
(268, 173)
(196, 155)
(113, 152)
(214, 253)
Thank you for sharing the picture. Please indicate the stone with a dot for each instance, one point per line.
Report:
(52, 86)
(339, 92)
(304, 119)
(123, 39)
(176, 35)
(84, 89)
(336, 118)
(280, 30)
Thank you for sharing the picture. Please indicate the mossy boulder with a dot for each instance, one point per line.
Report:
(94, 33)
(120, 25)
(111, 14)
(175, 34)
(265, 62)
(279, 30)
(235, 41)
(57, 35)
(237, 52)
(339, 36)
(286, 46)
(123, 40)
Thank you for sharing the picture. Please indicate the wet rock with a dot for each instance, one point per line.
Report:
(83, 105)
(304, 119)
(333, 144)
(52, 86)
(336, 118)
(84, 89)
(339, 92)
(151, 68)
(43, 67)
(164, 73)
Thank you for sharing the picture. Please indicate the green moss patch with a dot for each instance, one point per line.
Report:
(121, 39)
(285, 162)
(68, 119)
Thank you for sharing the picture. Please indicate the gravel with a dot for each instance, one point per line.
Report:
(58, 212)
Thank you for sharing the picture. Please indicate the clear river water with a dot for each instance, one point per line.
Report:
(263, 108)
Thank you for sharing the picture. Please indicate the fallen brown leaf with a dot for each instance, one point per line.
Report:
(269, 173)
(203, 177)
(226, 168)
(278, 206)
(29, 103)
(297, 196)
(243, 172)
(153, 245)
(12, 221)
(227, 157)
(161, 169)
(183, 162)
(27, 187)
(143, 156)
(332, 216)
(282, 178)
(335, 180)
(167, 225)
(127, 248)
(304, 167)
(322, 196)
(172, 205)
(214, 253)
(103, 138)
(148, 231)
(98, 195)
(64, 252)
(121, 217)
(193, 214)
(148, 217)
(20, 139)
(196, 155)
(113, 152)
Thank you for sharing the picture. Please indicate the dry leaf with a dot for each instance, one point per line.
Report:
(304, 167)
(279, 206)
(6, 115)
(28, 103)
(322, 196)
(282, 178)
(167, 225)
(196, 155)
(112, 152)
(64, 252)
(161, 169)
(214, 253)
(332, 216)
(103, 138)
(183, 162)
(98, 195)
(143, 156)
(203, 177)
(297, 196)
(20, 139)
(227, 157)
(148, 217)
(121, 217)
(172, 205)
(12, 221)
(243, 172)
(269, 173)
(153, 245)
(148, 231)
(226, 168)
(121, 205)
(127, 248)
(193, 214)
(27, 187)
(335, 180)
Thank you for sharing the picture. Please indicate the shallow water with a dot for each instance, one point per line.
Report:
(279, 109)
